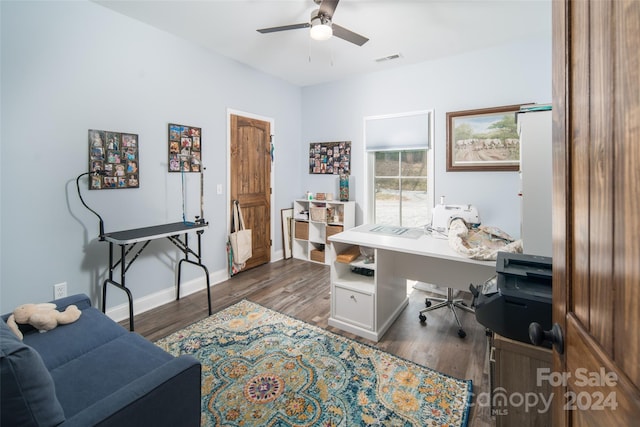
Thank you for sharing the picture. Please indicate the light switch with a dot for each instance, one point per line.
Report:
(219, 189)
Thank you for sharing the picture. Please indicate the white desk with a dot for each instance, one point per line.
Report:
(367, 306)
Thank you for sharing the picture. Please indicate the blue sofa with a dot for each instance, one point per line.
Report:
(93, 372)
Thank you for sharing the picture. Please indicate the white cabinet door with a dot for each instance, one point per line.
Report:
(536, 175)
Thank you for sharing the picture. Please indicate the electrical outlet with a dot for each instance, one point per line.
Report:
(60, 290)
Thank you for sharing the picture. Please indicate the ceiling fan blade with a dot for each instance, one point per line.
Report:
(348, 35)
(284, 28)
(327, 7)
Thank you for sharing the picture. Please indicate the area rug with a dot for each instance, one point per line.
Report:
(263, 368)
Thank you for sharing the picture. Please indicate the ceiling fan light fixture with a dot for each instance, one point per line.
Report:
(321, 32)
(320, 27)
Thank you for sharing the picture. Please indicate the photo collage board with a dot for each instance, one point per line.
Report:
(115, 156)
(330, 158)
(185, 150)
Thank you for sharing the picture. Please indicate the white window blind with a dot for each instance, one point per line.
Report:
(401, 132)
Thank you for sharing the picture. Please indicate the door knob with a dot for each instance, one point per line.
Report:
(537, 336)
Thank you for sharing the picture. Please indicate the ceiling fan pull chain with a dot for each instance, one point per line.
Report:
(331, 50)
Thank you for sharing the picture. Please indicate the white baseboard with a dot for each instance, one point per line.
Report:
(148, 302)
(151, 301)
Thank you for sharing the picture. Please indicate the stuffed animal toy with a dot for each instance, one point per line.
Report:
(44, 317)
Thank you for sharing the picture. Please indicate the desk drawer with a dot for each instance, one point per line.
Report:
(354, 307)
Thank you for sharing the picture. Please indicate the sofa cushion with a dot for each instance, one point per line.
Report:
(67, 342)
(28, 392)
(107, 369)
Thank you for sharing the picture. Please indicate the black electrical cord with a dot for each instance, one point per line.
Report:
(99, 172)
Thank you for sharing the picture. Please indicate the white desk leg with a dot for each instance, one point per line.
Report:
(391, 290)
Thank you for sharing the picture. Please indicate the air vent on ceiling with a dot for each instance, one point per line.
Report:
(389, 58)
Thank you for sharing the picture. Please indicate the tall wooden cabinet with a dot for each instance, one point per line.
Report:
(314, 222)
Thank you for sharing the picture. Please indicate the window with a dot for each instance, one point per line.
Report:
(399, 169)
(401, 194)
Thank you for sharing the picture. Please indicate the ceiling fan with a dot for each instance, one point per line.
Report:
(321, 25)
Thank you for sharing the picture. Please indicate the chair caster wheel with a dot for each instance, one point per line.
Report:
(427, 303)
(461, 333)
(422, 318)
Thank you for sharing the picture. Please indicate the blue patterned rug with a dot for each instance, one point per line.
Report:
(262, 368)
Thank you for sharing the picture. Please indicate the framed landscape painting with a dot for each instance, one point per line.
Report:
(483, 140)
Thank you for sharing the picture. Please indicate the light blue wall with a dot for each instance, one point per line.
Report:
(505, 75)
(72, 66)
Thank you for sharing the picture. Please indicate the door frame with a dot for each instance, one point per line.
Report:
(230, 112)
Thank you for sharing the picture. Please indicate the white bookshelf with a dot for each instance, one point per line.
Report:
(314, 221)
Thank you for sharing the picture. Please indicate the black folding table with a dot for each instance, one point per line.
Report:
(138, 239)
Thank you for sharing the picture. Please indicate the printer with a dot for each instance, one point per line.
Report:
(519, 294)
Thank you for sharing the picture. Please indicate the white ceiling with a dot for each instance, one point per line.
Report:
(417, 30)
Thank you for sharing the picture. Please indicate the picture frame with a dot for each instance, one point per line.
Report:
(184, 148)
(330, 158)
(286, 216)
(483, 139)
(116, 156)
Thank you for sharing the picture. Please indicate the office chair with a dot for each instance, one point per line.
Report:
(450, 302)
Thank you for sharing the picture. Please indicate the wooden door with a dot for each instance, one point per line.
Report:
(596, 205)
(250, 181)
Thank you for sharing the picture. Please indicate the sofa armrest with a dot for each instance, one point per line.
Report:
(80, 300)
(166, 396)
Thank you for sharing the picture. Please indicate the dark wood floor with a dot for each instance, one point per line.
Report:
(301, 289)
